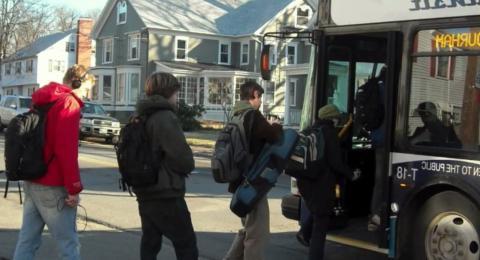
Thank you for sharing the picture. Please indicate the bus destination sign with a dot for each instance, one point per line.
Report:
(461, 40)
(436, 4)
(348, 12)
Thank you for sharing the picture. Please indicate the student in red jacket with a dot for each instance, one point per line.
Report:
(52, 199)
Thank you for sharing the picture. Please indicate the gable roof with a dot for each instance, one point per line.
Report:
(218, 17)
(39, 45)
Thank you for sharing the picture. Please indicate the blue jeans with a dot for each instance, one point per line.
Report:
(44, 205)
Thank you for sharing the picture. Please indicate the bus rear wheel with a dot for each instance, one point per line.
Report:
(446, 227)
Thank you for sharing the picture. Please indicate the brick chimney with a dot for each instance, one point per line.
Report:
(84, 41)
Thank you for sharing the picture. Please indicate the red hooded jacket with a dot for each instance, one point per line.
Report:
(61, 136)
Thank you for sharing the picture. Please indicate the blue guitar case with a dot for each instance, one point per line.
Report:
(263, 174)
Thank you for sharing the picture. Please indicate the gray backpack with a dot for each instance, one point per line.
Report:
(231, 156)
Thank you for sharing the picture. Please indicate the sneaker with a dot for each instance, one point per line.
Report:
(301, 239)
(374, 223)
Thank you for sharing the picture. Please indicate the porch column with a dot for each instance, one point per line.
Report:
(197, 97)
(286, 116)
(234, 84)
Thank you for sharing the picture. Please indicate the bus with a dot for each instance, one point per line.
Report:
(430, 185)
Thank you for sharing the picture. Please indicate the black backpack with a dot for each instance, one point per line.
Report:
(369, 105)
(24, 141)
(231, 156)
(308, 156)
(136, 161)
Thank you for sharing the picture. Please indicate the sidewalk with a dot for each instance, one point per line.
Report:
(97, 241)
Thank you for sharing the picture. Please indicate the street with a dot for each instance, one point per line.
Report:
(112, 226)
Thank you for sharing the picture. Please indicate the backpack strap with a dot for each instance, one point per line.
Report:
(240, 117)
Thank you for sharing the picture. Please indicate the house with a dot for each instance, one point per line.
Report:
(46, 60)
(211, 46)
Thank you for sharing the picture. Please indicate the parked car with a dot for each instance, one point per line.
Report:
(11, 106)
(96, 122)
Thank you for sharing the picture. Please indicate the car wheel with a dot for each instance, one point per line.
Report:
(109, 140)
(445, 227)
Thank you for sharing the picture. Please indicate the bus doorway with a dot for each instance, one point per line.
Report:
(350, 62)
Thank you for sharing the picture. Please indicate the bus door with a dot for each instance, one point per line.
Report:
(351, 61)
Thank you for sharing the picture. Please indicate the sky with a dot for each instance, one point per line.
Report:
(79, 5)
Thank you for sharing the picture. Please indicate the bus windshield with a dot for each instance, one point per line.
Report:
(445, 89)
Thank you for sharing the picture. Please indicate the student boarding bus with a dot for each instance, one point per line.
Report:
(430, 181)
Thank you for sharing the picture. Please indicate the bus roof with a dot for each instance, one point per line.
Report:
(348, 12)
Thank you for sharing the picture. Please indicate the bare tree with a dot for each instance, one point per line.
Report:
(65, 18)
(93, 14)
(11, 15)
(21, 23)
(38, 22)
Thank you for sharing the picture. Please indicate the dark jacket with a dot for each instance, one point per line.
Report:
(170, 148)
(258, 131)
(319, 194)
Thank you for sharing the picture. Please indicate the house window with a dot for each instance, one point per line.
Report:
(188, 90)
(291, 54)
(220, 91)
(122, 12)
(201, 91)
(269, 93)
(8, 68)
(18, 67)
(292, 93)
(303, 14)
(70, 47)
(120, 90)
(244, 53)
(107, 51)
(224, 53)
(134, 87)
(133, 46)
(107, 87)
(29, 66)
(442, 66)
(273, 54)
(181, 49)
(30, 91)
(95, 89)
(56, 66)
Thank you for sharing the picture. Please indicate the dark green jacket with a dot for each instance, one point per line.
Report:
(169, 146)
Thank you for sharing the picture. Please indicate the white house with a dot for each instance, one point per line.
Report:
(46, 60)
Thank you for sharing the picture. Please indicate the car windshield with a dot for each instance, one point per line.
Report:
(25, 102)
(93, 109)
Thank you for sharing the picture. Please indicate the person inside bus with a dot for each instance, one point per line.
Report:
(434, 132)
(319, 194)
(377, 136)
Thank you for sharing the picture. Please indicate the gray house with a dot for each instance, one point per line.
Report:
(211, 46)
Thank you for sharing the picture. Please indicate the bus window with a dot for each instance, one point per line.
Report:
(445, 89)
(337, 84)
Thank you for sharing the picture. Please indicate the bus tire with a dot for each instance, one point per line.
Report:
(447, 226)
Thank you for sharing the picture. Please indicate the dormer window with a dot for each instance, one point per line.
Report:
(224, 53)
(303, 15)
(181, 49)
(122, 12)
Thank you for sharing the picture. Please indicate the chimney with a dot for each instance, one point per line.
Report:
(84, 41)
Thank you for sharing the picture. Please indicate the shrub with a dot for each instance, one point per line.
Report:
(188, 116)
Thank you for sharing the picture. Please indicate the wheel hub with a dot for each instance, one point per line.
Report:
(451, 236)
